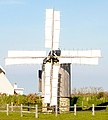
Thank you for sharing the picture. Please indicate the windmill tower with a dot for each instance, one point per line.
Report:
(56, 76)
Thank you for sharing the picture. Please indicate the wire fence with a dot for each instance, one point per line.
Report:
(22, 109)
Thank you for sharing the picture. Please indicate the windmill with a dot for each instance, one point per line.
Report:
(56, 65)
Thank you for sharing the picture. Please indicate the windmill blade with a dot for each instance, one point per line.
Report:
(48, 28)
(80, 53)
(13, 61)
(52, 29)
(47, 94)
(54, 90)
(26, 53)
(56, 31)
(86, 61)
(89, 57)
(25, 57)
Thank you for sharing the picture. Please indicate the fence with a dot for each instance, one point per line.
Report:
(38, 110)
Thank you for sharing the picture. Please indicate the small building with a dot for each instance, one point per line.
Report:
(18, 90)
(5, 85)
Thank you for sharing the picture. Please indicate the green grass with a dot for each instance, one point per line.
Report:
(68, 116)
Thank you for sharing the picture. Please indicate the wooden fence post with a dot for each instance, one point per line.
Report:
(75, 109)
(12, 106)
(82, 104)
(36, 112)
(93, 110)
(7, 109)
(56, 110)
(21, 110)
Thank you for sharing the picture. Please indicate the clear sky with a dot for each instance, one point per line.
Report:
(84, 25)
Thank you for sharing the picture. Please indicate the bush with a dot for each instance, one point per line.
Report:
(32, 99)
(100, 95)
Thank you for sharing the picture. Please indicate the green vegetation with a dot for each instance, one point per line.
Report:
(85, 97)
(33, 99)
(30, 99)
(81, 98)
(68, 116)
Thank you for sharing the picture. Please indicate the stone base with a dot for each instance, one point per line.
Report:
(64, 105)
(44, 106)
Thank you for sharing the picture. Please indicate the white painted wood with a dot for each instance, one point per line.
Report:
(13, 61)
(5, 85)
(47, 93)
(54, 85)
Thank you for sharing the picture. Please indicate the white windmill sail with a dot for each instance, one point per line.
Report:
(25, 57)
(81, 53)
(54, 84)
(48, 28)
(89, 57)
(47, 92)
(88, 61)
(52, 29)
(56, 33)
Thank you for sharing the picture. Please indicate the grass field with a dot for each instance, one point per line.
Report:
(67, 116)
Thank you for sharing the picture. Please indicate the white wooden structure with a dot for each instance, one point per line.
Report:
(17, 90)
(5, 85)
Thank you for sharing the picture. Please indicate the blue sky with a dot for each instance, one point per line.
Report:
(84, 25)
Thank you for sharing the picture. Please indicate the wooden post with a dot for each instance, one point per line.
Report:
(93, 110)
(12, 106)
(7, 109)
(21, 110)
(75, 109)
(56, 110)
(82, 104)
(36, 112)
